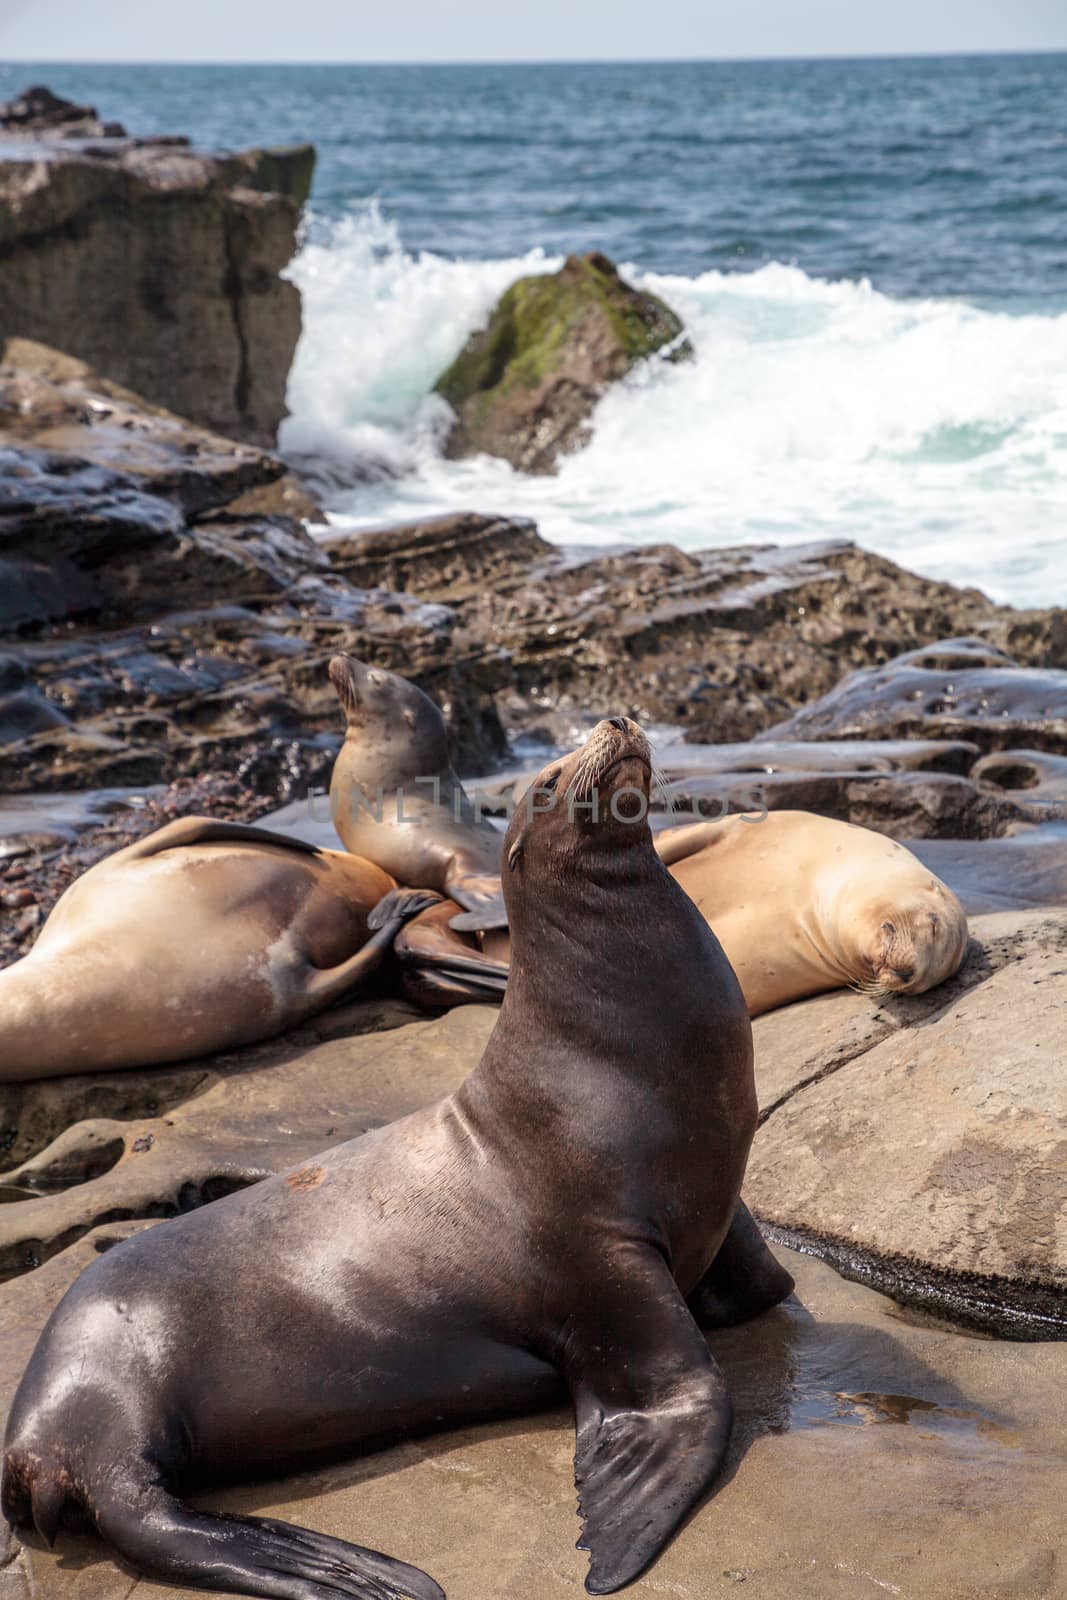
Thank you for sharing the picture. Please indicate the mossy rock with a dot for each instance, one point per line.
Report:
(524, 386)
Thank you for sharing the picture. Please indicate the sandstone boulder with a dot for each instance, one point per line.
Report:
(176, 253)
(524, 386)
(931, 1159)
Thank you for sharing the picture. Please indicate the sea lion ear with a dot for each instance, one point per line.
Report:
(514, 853)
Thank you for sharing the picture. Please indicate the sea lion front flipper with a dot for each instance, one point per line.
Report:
(385, 922)
(744, 1279)
(481, 899)
(651, 1410)
(399, 906)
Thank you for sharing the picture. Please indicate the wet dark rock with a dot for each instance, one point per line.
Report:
(79, 540)
(39, 112)
(451, 557)
(179, 253)
(960, 690)
(904, 805)
(525, 386)
(165, 628)
(720, 643)
(60, 406)
(25, 713)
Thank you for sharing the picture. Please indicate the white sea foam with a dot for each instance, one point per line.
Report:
(932, 431)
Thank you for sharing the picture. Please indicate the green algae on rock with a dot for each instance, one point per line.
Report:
(524, 386)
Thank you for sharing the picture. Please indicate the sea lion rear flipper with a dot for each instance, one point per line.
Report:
(164, 1539)
(441, 967)
(481, 898)
(744, 1279)
(652, 1415)
(211, 830)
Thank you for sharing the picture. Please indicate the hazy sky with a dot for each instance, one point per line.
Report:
(516, 30)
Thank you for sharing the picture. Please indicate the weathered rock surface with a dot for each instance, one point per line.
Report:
(183, 620)
(177, 251)
(525, 386)
(1025, 870)
(962, 690)
(715, 642)
(168, 614)
(931, 1158)
(242, 1116)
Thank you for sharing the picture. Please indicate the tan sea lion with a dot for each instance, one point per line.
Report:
(800, 904)
(395, 798)
(561, 1221)
(203, 936)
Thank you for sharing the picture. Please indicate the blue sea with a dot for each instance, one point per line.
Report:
(871, 258)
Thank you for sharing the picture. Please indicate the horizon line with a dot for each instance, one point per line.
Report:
(538, 61)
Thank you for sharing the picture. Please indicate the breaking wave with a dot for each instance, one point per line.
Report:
(932, 431)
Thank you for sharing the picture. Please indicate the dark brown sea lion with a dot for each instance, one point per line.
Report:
(203, 936)
(395, 798)
(555, 1218)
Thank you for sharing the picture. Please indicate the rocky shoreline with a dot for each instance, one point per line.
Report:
(170, 596)
(178, 633)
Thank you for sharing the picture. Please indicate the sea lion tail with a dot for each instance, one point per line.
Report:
(164, 1539)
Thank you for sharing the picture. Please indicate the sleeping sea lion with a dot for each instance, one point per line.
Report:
(803, 904)
(799, 903)
(200, 937)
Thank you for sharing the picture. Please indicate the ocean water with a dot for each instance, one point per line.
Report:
(870, 256)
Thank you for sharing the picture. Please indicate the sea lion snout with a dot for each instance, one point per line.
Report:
(342, 670)
(612, 743)
(919, 946)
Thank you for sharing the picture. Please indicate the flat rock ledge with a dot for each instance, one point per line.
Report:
(922, 1147)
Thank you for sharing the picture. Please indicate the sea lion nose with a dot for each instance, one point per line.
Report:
(620, 723)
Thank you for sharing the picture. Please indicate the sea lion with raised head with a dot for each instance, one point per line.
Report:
(395, 798)
(200, 937)
(553, 1219)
